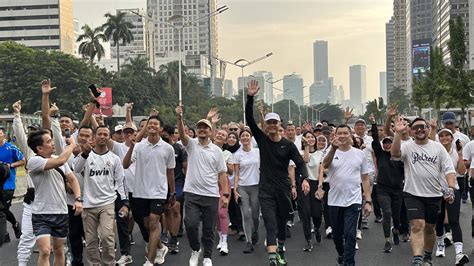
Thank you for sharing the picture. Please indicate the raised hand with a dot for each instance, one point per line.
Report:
(392, 110)
(179, 110)
(372, 118)
(46, 86)
(252, 88)
(348, 113)
(215, 119)
(16, 107)
(129, 106)
(53, 110)
(212, 113)
(434, 123)
(154, 112)
(261, 107)
(401, 126)
(307, 126)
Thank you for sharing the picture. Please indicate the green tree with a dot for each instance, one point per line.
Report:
(399, 97)
(117, 29)
(90, 46)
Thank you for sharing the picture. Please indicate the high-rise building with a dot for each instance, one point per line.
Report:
(228, 89)
(46, 24)
(400, 55)
(293, 88)
(319, 93)
(418, 37)
(442, 12)
(77, 32)
(471, 35)
(383, 85)
(262, 77)
(320, 61)
(390, 54)
(357, 84)
(340, 95)
(138, 45)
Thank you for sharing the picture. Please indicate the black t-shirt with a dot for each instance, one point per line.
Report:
(274, 156)
(180, 156)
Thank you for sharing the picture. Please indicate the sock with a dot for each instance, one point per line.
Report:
(272, 256)
(427, 256)
(458, 247)
(224, 238)
(220, 237)
(440, 240)
(417, 259)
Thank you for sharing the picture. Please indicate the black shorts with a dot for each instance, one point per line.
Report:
(55, 225)
(7, 197)
(426, 208)
(143, 207)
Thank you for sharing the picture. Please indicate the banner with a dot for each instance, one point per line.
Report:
(105, 100)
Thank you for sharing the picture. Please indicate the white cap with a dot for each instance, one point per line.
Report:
(272, 116)
(130, 126)
(319, 124)
(205, 122)
(118, 128)
(445, 130)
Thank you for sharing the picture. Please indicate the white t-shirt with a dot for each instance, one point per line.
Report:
(249, 166)
(457, 135)
(152, 162)
(368, 153)
(50, 190)
(344, 176)
(129, 174)
(468, 151)
(204, 165)
(455, 159)
(315, 160)
(425, 166)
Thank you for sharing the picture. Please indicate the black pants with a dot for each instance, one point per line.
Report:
(7, 197)
(199, 209)
(376, 203)
(138, 219)
(3, 226)
(276, 208)
(344, 228)
(391, 202)
(310, 207)
(453, 217)
(122, 229)
(76, 234)
(327, 220)
(235, 215)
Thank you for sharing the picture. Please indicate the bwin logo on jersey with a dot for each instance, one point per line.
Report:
(98, 172)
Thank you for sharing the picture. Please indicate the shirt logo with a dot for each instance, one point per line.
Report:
(336, 158)
(98, 172)
(416, 157)
(283, 147)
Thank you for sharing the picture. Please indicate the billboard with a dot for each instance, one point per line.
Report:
(105, 100)
(420, 57)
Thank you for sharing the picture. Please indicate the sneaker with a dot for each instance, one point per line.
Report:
(194, 260)
(309, 246)
(280, 257)
(17, 230)
(174, 248)
(359, 234)
(248, 248)
(461, 259)
(224, 249)
(405, 237)
(290, 224)
(395, 236)
(317, 235)
(357, 246)
(273, 262)
(147, 262)
(124, 259)
(164, 238)
(161, 255)
(378, 219)
(428, 263)
(388, 247)
(340, 261)
(241, 236)
(329, 232)
(218, 247)
(365, 223)
(440, 251)
(254, 238)
(206, 262)
(448, 239)
(417, 263)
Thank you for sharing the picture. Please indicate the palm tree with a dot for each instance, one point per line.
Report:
(169, 73)
(117, 29)
(138, 65)
(90, 46)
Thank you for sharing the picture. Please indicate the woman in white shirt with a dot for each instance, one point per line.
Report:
(446, 138)
(246, 179)
(310, 201)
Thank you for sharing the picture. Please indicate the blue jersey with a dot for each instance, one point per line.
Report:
(9, 153)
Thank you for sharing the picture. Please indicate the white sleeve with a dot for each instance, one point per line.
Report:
(170, 161)
(36, 164)
(221, 164)
(21, 139)
(365, 166)
(57, 136)
(79, 163)
(467, 151)
(119, 178)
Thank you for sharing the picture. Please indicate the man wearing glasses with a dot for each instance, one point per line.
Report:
(426, 162)
(234, 127)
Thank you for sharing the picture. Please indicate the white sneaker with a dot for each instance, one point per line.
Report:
(328, 232)
(194, 260)
(359, 234)
(448, 239)
(161, 255)
(461, 259)
(147, 262)
(219, 245)
(357, 246)
(207, 262)
(224, 249)
(440, 252)
(125, 259)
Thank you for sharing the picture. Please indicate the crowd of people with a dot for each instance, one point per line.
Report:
(87, 183)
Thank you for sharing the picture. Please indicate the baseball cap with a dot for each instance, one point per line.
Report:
(205, 122)
(387, 139)
(129, 126)
(445, 130)
(360, 120)
(319, 124)
(449, 117)
(272, 116)
(326, 129)
(118, 128)
(34, 126)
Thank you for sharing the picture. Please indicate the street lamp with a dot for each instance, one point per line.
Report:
(243, 63)
(180, 28)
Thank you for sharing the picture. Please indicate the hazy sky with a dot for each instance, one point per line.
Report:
(354, 29)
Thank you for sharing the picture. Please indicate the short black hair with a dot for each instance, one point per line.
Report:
(86, 127)
(4, 173)
(102, 126)
(157, 118)
(35, 139)
(168, 129)
(344, 126)
(2, 129)
(67, 115)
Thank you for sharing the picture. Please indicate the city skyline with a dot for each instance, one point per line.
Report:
(288, 29)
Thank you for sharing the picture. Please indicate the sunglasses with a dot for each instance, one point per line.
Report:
(418, 127)
(233, 129)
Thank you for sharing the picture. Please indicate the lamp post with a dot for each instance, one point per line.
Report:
(180, 28)
(243, 63)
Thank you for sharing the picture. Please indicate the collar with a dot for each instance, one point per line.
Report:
(153, 145)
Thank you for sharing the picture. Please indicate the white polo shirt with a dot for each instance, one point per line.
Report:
(204, 165)
(152, 161)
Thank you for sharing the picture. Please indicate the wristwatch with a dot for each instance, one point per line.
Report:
(79, 199)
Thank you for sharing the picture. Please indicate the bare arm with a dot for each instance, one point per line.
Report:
(127, 160)
(328, 158)
(170, 177)
(182, 134)
(230, 168)
(62, 158)
(224, 182)
(366, 186)
(236, 175)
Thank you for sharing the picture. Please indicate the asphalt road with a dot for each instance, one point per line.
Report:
(370, 252)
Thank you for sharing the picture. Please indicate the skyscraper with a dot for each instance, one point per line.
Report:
(357, 84)
(293, 88)
(320, 60)
(390, 54)
(228, 89)
(383, 85)
(400, 51)
(46, 24)
(262, 77)
(138, 46)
